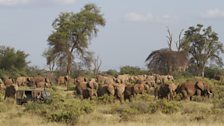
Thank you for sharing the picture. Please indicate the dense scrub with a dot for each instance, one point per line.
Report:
(65, 108)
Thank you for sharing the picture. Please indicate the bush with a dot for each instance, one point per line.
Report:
(111, 72)
(132, 70)
(3, 107)
(142, 107)
(105, 99)
(61, 111)
(167, 107)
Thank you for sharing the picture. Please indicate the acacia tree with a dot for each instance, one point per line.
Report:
(203, 45)
(166, 60)
(72, 34)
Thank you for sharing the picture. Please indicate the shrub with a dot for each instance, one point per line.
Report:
(3, 107)
(142, 107)
(132, 70)
(111, 72)
(105, 99)
(61, 111)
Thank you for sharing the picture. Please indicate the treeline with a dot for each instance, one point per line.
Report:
(196, 48)
(197, 51)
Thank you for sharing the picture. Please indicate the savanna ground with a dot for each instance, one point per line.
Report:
(66, 109)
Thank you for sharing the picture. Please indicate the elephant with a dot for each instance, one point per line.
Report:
(105, 79)
(93, 84)
(8, 81)
(140, 87)
(22, 81)
(43, 85)
(119, 91)
(10, 91)
(191, 88)
(129, 92)
(106, 89)
(203, 89)
(39, 81)
(150, 80)
(186, 89)
(123, 78)
(84, 89)
(208, 91)
(63, 80)
(165, 91)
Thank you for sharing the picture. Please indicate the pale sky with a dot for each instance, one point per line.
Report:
(133, 28)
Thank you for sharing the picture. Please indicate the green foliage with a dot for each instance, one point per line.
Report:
(111, 72)
(213, 72)
(12, 59)
(203, 45)
(105, 99)
(167, 107)
(60, 110)
(12, 62)
(142, 107)
(132, 70)
(71, 36)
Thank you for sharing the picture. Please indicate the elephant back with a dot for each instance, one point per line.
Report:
(200, 85)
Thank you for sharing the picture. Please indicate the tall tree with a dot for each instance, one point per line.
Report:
(72, 34)
(203, 45)
(167, 60)
(11, 59)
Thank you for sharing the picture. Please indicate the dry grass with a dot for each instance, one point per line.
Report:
(15, 116)
(192, 114)
(100, 117)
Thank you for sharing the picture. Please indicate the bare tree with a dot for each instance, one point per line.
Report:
(170, 39)
(97, 62)
(179, 43)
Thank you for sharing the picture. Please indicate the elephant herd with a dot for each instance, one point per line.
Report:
(11, 85)
(126, 87)
(122, 87)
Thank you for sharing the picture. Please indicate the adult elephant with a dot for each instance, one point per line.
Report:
(22, 81)
(129, 92)
(10, 91)
(104, 79)
(63, 80)
(165, 91)
(106, 89)
(187, 90)
(203, 89)
(8, 81)
(140, 87)
(191, 88)
(123, 78)
(208, 91)
(40, 81)
(85, 89)
(119, 91)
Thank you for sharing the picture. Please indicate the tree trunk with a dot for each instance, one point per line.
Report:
(69, 63)
(203, 70)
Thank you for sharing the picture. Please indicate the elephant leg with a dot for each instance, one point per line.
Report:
(130, 98)
(156, 94)
(184, 94)
(191, 98)
(198, 92)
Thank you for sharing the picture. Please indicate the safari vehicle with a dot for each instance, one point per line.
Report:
(26, 95)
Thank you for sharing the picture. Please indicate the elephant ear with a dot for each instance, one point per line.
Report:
(200, 85)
